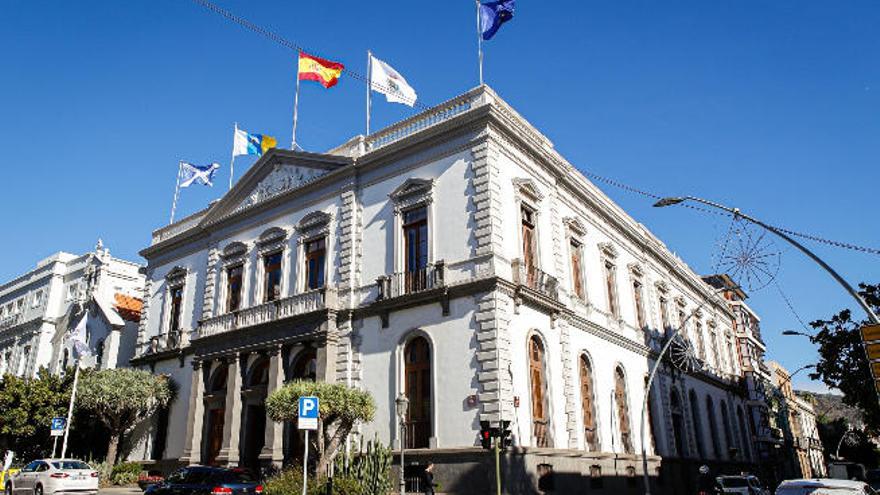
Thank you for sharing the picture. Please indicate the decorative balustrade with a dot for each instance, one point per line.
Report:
(10, 321)
(528, 275)
(268, 312)
(167, 342)
(402, 283)
(422, 121)
(182, 225)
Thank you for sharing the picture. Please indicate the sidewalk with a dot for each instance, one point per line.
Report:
(120, 490)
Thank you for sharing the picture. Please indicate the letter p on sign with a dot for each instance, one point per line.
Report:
(308, 413)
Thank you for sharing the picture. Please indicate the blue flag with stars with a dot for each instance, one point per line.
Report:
(493, 15)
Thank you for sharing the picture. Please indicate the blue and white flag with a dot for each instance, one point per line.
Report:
(190, 174)
(493, 15)
(77, 338)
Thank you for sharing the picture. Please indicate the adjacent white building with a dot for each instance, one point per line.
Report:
(39, 307)
(457, 258)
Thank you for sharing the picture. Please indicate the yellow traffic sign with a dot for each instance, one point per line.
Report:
(870, 332)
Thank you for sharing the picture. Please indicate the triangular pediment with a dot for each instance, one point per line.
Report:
(275, 174)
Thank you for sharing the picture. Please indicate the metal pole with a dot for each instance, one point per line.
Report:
(54, 445)
(295, 103)
(840, 443)
(479, 42)
(402, 447)
(306, 464)
(369, 87)
(70, 407)
(648, 386)
(176, 192)
(497, 466)
(232, 161)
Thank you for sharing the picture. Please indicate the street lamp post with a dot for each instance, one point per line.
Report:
(653, 373)
(402, 404)
(738, 214)
(840, 443)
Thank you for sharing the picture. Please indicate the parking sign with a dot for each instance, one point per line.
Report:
(308, 413)
(57, 426)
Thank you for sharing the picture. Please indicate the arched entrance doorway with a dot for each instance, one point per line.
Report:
(538, 385)
(254, 410)
(304, 366)
(215, 414)
(417, 375)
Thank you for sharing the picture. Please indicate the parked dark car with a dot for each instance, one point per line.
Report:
(205, 480)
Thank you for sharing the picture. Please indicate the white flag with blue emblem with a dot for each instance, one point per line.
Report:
(77, 338)
(384, 79)
(190, 174)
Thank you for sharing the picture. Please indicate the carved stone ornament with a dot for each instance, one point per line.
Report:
(608, 250)
(176, 276)
(413, 192)
(679, 300)
(636, 269)
(234, 252)
(271, 240)
(662, 286)
(316, 223)
(574, 226)
(527, 188)
(281, 179)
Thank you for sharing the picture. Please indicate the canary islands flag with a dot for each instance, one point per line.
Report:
(251, 144)
(324, 71)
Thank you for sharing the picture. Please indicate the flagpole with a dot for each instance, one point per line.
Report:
(295, 104)
(369, 87)
(479, 42)
(70, 407)
(232, 161)
(176, 193)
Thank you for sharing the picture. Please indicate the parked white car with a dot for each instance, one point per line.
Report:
(54, 476)
(742, 485)
(824, 486)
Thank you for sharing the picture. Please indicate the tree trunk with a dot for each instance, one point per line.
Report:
(113, 448)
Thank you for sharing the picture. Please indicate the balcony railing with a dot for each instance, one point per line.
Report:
(402, 283)
(268, 312)
(535, 279)
(10, 321)
(540, 432)
(167, 342)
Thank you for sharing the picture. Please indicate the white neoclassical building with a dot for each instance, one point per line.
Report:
(38, 308)
(455, 257)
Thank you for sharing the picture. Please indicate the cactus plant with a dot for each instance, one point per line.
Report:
(371, 467)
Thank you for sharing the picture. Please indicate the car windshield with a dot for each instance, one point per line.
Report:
(734, 482)
(70, 465)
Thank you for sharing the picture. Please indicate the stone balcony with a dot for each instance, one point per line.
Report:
(10, 321)
(403, 283)
(535, 279)
(288, 307)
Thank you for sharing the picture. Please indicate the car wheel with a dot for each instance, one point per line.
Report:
(38, 490)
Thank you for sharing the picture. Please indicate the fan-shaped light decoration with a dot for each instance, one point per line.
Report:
(748, 255)
(682, 355)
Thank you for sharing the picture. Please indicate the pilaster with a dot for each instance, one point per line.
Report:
(210, 281)
(229, 453)
(487, 201)
(569, 378)
(350, 229)
(273, 452)
(192, 447)
(145, 313)
(493, 356)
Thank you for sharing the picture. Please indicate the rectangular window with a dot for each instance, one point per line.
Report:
(701, 346)
(664, 314)
(19, 306)
(38, 298)
(176, 305)
(611, 288)
(528, 247)
(71, 292)
(316, 253)
(233, 287)
(271, 276)
(415, 239)
(640, 309)
(577, 270)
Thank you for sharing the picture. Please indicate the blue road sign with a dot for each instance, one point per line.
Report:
(57, 426)
(308, 413)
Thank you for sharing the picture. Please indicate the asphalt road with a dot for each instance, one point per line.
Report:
(120, 490)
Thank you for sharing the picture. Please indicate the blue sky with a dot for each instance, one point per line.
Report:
(768, 106)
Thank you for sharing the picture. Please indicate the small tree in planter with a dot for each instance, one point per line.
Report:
(341, 408)
(122, 398)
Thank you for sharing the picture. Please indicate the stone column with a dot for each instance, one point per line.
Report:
(326, 354)
(273, 452)
(192, 446)
(229, 453)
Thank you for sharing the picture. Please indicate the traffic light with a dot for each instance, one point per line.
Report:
(504, 438)
(486, 434)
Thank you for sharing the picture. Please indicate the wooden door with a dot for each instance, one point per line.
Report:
(216, 420)
(417, 370)
(538, 386)
(587, 408)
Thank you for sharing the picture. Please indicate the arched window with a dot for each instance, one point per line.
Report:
(698, 426)
(259, 373)
(678, 431)
(215, 414)
(743, 433)
(538, 384)
(417, 376)
(729, 439)
(305, 366)
(713, 427)
(622, 400)
(588, 404)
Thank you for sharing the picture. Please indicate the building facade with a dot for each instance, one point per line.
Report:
(457, 258)
(38, 308)
(795, 417)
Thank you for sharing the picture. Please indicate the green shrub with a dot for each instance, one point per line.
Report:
(289, 482)
(125, 473)
(371, 467)
(105, 470)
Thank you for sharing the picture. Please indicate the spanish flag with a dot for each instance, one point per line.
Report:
(324, 71)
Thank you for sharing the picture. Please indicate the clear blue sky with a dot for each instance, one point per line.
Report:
(769, 106)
